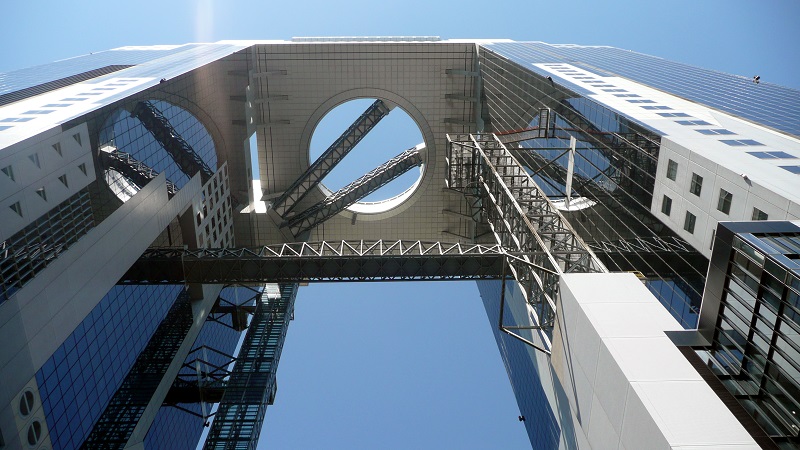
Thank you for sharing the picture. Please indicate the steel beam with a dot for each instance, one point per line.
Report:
(521, 217)
(319, 261)
(181, 152)
(284, 204)
(252, 383)
(138, 172)
(355, 191)
(653, 244)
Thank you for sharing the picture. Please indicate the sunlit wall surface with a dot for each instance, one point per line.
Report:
(769, 104)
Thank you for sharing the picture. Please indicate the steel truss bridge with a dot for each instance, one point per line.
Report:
(319, 261)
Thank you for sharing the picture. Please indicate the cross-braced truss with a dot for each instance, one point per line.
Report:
(138, 172)
(251, 385)
(653, 244)
(181, 152)
(521, 218)
(320, 261)
(355, 191)
(284, 204)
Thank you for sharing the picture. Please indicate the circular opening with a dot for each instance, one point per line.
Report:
(395, 133)
(131, 153)
(34, 432)
(26, 403)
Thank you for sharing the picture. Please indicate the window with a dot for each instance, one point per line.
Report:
(17, 208)
(626, 95)
(615, 90)
(666, 205)
(640, 101)
(672, 170)
(26, 403)
(759, 214)
(674, 115)
(688, 223)
(34, 432)
(714, 131)
(697, 184)
(793, 169)
(740, 142)
(772, 155)
(655, 107)
(9, 171)
(692, 122)
(724, 203)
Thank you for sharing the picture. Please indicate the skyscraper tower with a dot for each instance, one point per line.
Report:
(159, 206)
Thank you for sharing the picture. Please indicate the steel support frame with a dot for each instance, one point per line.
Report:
(319, 261)
(136, 171)
(522, 220)
(181, 152)
(653, 244)
(355, 191)
(205, 381)
(284, 204)
(251, 386)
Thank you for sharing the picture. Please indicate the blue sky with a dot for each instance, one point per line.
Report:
(407, 365)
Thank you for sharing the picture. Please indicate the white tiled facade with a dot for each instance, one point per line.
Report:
(627, 383)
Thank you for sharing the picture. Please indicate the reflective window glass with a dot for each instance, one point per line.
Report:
(697, 184)
(724, 202)
(692, 122)
(714, 131)
(674, 115)
(689, 221)
(740, 142)
(772, 155)
(759, 215)
(672, 170)
(666, 205)
(793, 169)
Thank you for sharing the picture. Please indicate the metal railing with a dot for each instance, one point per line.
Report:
(522, 219)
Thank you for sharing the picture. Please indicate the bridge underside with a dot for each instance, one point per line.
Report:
(319, 261)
